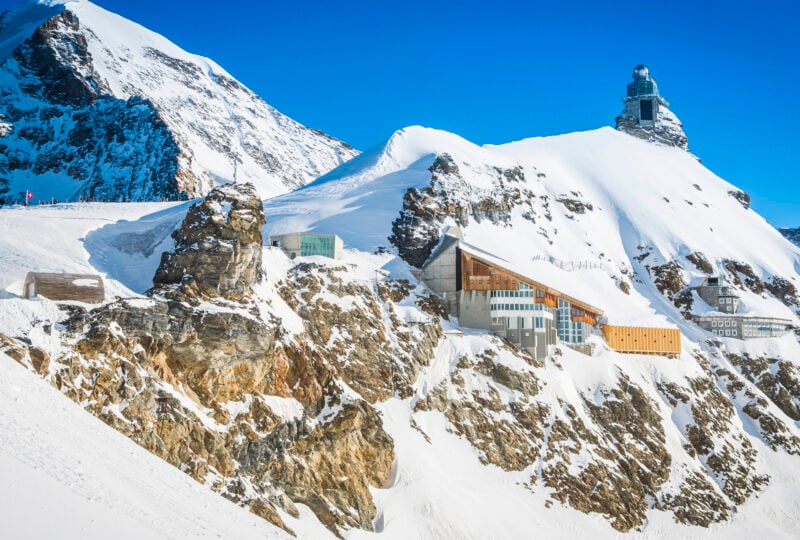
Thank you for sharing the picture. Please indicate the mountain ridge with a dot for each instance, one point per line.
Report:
(93, 105)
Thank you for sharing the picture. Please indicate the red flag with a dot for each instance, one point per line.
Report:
(30, 195)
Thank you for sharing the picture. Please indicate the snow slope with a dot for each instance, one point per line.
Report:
(95, 104)
(68, 475)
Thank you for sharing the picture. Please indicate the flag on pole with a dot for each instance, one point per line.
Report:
(30, 195)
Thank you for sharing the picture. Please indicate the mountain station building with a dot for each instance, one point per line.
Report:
(726, 321)
(306, 244)
(480, 289)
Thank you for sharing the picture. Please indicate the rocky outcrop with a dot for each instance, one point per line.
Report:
(218, 247)
(607, 454)
(667, 129)
(742, 197)
(743, 276)
(793, 235)
(451, 199)
(379, 361)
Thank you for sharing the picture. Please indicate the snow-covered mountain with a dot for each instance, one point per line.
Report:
(94, 105)
(336, 395)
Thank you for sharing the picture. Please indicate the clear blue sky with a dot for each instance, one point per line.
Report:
(496, 71)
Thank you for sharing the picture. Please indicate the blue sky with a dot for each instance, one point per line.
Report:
(500, 71)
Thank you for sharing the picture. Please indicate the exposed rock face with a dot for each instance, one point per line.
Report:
(668, 130)
(450, 198)
(218, 247)
(378, 361)
(129, 116)
(742, 197)
(743, 275)
(608, 454)
(793, 235)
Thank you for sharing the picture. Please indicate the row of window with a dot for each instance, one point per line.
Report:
(514, 323)
(513, 294)
(726, 332)
(516, 307)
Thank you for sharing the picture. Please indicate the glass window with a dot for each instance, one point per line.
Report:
(313, 244)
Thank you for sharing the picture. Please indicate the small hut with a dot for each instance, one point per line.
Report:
(65, 287)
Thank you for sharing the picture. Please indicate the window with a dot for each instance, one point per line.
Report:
(313, 244)
(733, 332)
(714, 324)
(646, 109)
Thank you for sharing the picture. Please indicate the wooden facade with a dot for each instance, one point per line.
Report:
(643, 340)
(65, 287)
(477, 274)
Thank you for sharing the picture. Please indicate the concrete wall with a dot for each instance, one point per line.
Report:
(710, 296)
(440, 276)
(632, 108)
(475, 309)
(289, 243)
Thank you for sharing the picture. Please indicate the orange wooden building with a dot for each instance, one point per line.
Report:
(643, 340)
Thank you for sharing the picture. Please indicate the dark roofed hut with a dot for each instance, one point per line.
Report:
(65, 287)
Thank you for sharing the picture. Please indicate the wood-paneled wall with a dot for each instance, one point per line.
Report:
(644, 340)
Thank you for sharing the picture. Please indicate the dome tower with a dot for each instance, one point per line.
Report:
(643, 99)
(646, 113)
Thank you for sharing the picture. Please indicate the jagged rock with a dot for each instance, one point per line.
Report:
(374, 360)
(219, 245)
(450, 198)
(667, 130)
(742, 197)
(793, 235)
(668, 278)
(700, 262)
(575, 205)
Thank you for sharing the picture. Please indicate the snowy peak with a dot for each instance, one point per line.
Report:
(94, 105)
(19, 23)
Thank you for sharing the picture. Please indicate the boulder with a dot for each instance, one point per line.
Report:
(218, 247)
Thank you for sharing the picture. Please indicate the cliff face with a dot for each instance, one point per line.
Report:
(668, 130)
(92, 105)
